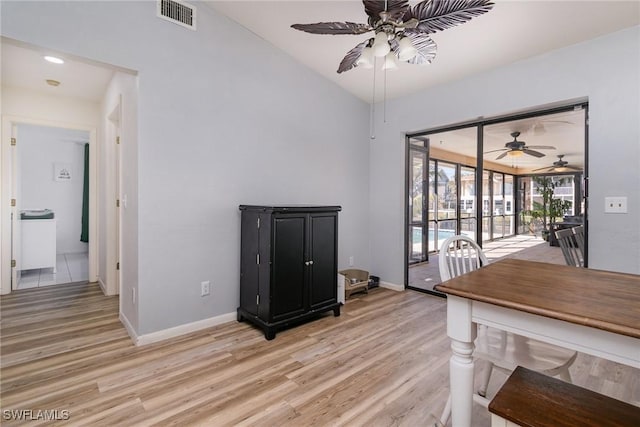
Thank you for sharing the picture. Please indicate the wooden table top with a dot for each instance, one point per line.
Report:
(600, 299)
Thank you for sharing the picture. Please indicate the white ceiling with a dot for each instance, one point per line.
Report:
(513, 30)
(24, 67)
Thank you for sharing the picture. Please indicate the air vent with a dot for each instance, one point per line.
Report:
(178, 12)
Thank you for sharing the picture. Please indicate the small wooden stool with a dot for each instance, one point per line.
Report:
(531, 399)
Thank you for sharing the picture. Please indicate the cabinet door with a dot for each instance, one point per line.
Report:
(323, 251)
(249, 273)
(288, 296)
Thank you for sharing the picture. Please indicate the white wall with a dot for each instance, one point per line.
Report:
(605, 70)
(39, 149)
(223, 119)
(121, 94)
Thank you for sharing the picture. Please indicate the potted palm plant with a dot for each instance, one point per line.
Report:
(550, 209)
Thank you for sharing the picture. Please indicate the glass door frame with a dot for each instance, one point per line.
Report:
(479, 125)
(409, 219)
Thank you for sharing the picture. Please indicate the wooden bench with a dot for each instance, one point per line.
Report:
(531, 399)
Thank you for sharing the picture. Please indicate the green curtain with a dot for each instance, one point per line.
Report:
(84, 235)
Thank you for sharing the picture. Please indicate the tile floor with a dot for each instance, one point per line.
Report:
(70, 268)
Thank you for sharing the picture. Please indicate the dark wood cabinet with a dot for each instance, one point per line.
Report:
(288, 264)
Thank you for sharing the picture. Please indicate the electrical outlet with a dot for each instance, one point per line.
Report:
(615, 205)
(204, 288)
(351, 261)
(133, 295)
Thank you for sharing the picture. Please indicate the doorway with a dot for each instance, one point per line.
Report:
(53, 210)
(53, 213)
(481, 182)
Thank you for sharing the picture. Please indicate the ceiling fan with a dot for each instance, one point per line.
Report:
(559, 166)
(517, 148)
(401, 31)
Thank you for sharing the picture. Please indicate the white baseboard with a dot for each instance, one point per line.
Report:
(187, 328)
(392, 286)
(102, 286)
(127, 325)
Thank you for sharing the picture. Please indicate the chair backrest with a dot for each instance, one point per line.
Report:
(572, 253)
(460, 255)
(578, 234)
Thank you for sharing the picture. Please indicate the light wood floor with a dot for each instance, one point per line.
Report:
(384, 362)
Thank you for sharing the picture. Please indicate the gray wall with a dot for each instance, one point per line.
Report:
(224, 119)
(605, 70)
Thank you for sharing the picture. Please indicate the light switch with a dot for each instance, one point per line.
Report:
(615, 205)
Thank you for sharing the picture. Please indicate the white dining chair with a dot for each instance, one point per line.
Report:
(578, 234)
(498, 349)
(571, 249)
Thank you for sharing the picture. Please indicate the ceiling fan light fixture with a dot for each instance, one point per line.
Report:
(406, 49)
(381, 45)
(515, 153)
(390, 62)
(366, 58)
(397, 19)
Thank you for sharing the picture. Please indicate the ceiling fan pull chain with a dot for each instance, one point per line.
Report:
(373, 103)
(384, 98)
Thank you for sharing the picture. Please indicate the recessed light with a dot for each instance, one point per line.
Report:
(53, 83)
(54, 60)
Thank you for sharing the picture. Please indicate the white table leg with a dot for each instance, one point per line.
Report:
(461, 373)
(462, 332)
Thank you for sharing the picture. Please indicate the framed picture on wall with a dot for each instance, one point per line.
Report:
(62, 172)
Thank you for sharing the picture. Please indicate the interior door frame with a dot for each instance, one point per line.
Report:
(9, 184)
(114, 120)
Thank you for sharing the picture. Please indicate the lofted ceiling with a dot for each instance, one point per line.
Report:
(513, 30)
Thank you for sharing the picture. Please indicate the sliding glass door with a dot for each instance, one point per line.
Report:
(417, 232)
(443, 186)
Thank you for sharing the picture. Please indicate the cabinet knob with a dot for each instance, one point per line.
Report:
(308, 263)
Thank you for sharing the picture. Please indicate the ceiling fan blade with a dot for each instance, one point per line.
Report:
(349, 61)
(502, 155)
(541, 147)
(333, 28)
(533, 153)
(546, 167)
(438, 15)
(396, 9)
(425, 46)
(573, 168)
(495, 151)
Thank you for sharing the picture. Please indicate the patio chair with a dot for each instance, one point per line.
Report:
(573, 254)
(498, 349)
